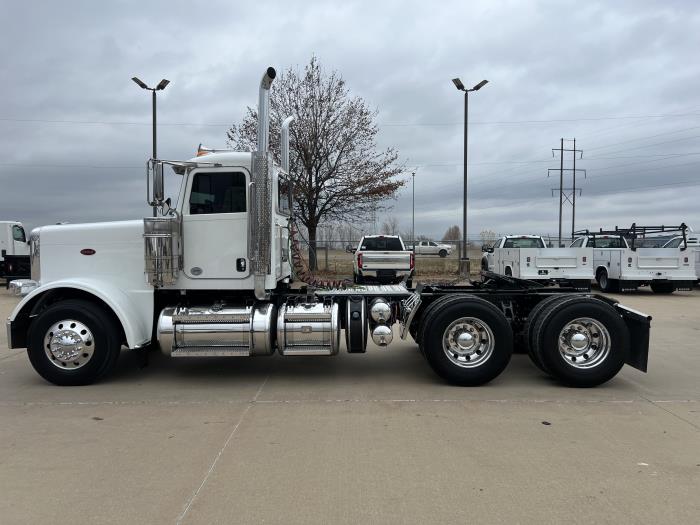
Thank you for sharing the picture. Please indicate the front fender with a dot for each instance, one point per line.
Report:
(133, 308)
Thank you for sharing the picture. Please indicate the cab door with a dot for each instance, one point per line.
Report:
(215, 224)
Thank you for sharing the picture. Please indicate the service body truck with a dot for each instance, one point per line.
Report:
(214, 276)
(620, 265)
(383, 259)
(693, 244)
(14, 251)
(528, 257)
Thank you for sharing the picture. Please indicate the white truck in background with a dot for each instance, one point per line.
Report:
(14, 251)
(432, 248)
(693, 243)
(620, 265)
(383, 259)
(528, 257)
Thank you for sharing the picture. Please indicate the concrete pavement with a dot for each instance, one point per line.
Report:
(374, 438)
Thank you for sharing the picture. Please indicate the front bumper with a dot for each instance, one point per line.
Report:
(22, 287)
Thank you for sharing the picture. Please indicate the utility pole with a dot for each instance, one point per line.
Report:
(566, 194)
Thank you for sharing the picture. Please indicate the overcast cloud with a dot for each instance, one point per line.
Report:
(75, 131)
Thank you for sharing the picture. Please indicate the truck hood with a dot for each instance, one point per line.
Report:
(111, 251)
(97, 233)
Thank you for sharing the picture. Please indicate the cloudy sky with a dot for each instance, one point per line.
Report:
(621, 77)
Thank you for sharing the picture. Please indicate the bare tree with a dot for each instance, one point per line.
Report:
(390, 226)
(453, 233)
(337, 170)
(488, 237)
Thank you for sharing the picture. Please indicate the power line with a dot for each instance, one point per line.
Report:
(388, 124)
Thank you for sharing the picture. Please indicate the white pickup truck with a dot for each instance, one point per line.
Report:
(382, 258)
(432, 248)
(621, 266)
(528, 257)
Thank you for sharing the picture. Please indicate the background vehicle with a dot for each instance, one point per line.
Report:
(693, 243)
(528, 257)
(620, 265)
(218, 273)
(383, 258)
(432, 248)
(14, 251)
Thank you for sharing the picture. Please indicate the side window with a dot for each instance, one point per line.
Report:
(283, 189)
(508, 243)
(577, 243)
(18, 233)
(218, 192)
(675, 243)
(433, 244)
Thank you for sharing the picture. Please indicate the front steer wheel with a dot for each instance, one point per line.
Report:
(73, 342)
(466, 340)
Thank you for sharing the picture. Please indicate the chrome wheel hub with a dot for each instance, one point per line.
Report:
(584, 342)
(69, 344)
(468, 342)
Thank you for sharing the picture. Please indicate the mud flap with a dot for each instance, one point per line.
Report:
(638, 325)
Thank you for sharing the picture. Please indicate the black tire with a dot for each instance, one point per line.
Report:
(549, 326)
(605, 284)
(438, 321)
(485, 264)
(443, 253)
(530, 329)
(509, 272)
(105, 341)
(661, 287)
(357, 279)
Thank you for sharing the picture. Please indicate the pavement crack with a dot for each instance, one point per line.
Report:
(658, 405)
(220, 453)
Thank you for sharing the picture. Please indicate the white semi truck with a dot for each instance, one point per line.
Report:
(620, 265)
(213, 276)
(528, 257)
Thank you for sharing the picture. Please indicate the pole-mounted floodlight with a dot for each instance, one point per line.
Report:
(139, 82)
(464, 256)
(161, 85)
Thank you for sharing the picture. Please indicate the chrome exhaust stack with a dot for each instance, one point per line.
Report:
(260, 218)
(284, 143)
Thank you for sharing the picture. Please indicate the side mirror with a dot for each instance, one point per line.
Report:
(158, 183)
(489, 249)
(353, 250)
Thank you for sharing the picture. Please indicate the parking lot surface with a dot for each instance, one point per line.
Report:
(374, 438)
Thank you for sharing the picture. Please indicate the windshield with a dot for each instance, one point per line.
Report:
(18, 233)
(523, 242)
(674, 243)
(283, 197)
(606, 242)
(392, 244)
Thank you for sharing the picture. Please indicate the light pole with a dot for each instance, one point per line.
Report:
(161, 86)
(413, 213)
(464, 259)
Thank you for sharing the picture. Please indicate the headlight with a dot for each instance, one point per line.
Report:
(34, 256)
